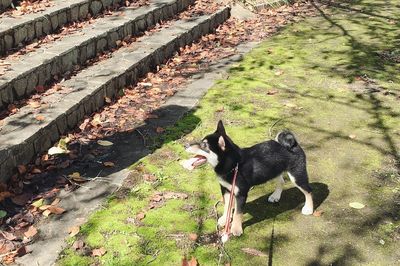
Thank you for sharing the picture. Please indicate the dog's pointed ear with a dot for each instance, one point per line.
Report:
(221, 128)
(221, 143)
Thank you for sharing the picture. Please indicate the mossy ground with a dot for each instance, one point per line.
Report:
(340, 96)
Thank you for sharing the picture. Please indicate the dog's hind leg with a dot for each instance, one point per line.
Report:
(300, 180)
(276, 196)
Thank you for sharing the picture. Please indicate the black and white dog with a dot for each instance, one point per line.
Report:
(256, 164)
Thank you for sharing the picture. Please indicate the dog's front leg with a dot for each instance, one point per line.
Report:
(222, 219)
(237, 229)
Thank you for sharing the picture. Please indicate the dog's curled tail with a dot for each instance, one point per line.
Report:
(287, 140)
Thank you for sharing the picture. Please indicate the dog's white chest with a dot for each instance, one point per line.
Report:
(227, 185)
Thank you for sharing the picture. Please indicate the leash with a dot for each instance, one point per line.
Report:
(227, 230)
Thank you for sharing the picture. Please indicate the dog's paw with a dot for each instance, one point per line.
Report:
(307, 211)
(275, 197)
(237, 229)
(222, 221)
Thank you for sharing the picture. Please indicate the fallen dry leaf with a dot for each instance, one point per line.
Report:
(160, 130)
(318, 213)
(109, 164)
(55, 209)
(73, 231)
(98, 252)
(32, 231)
(78, 244)
(76, 176)
(55, 201)
(254, 252)
(193, 236)
(356, 205)
(21, 169)
(5, 194)
(140, 216)
(39, 118)
(46, 213)
(104, 143)
(37, 203)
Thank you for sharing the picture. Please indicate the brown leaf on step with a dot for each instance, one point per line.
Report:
(78, 244)
(40, 88)
(109, 164)
(32, 231)
(107, 99)
(254, 252)
(22, 199)
(193, 236)
(36, 171)
(21, 169)
(73, 231)
(4, 195)
(140, 216)
(39, 118)
(46, 213)
(55, 209)
(55, 201)
(317, 213)
(98, 252)
(12, 108)
(160, 130)
(8, 236)
(22, 251)
(34, 104)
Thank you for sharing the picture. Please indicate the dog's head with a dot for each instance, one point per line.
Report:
(211, 148)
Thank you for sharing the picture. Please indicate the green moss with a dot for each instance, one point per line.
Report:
(349, 132)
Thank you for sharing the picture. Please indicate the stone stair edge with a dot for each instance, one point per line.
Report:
(38, 67)
(44, 135)
(16, 31)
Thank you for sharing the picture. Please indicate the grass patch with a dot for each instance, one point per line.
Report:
(335, 91)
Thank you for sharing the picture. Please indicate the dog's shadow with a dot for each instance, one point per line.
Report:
(260, 209)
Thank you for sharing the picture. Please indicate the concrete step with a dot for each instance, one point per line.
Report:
(57, 58)
(23, 135)
(4, 4)
(23, 29)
